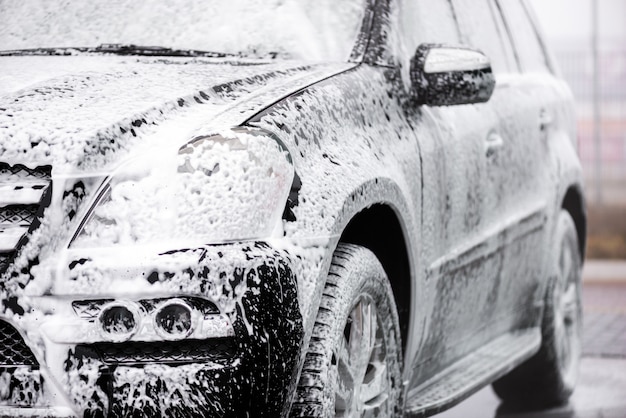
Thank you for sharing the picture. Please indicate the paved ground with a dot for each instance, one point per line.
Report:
(605, 321)
(601, 391)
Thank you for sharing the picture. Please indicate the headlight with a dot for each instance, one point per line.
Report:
(218, 188)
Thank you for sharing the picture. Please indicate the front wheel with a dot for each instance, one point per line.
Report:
(353, 366)
(548, 378)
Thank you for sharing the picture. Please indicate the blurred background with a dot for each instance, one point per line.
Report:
(588, 40)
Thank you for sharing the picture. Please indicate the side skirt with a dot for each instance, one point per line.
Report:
(471, 373)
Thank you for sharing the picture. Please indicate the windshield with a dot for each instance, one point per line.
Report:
(298, 29)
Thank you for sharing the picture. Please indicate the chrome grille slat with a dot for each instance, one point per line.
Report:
(23, 190)
(10, 237)
(18, 172)
(21, 193)
(22, 215)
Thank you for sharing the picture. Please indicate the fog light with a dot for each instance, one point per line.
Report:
(118, 321)
(173, 320)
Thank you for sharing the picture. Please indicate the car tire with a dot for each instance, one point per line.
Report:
(547, 379)
(353, 365)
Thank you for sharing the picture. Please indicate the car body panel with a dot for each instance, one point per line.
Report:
(475, 189)
(130, 95)
(44, 277)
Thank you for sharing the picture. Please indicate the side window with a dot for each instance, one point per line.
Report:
(422, 21)
(505, 37)
(414, 22)
(479, 30)
(529, 51)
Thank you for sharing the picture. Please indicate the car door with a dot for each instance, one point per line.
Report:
(457, 265)
(519, 171)
(515, 195)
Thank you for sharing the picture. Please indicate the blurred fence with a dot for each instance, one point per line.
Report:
(577, 68)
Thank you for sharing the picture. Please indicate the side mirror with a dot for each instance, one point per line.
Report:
(443, 75)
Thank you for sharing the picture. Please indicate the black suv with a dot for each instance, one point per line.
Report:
(287, 208)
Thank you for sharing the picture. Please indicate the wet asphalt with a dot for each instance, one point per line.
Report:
(601, 389)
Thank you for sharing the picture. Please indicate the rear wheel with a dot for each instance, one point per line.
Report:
(353, 366)
(548, 378)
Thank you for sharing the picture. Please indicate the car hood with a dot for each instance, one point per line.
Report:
(86, 113)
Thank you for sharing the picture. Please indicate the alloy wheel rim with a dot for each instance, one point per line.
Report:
(359, 364)
(568, 315)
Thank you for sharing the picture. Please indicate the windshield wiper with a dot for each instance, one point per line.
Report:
(160, 51)
(42, 51)
(120, 49)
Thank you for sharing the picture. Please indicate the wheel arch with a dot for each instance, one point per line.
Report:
(574, 203)
(379, 229)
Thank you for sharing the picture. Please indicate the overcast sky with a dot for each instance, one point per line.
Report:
(570, 20)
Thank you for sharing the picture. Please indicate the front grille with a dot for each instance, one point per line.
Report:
(163, 352)
(13, 349)
(17, 173)
(24, 194)
(18, 214)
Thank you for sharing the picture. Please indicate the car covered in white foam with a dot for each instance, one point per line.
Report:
(284, 208)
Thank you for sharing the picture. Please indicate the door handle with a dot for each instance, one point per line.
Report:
(493, 143)
(545, 119)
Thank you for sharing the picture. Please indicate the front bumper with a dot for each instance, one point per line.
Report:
(243, 359)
